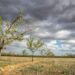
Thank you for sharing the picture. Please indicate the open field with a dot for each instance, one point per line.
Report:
(40, 66)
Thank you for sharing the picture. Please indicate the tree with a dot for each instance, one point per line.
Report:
(49, 53)
(70, 55)
(24, 52)
(34, 44)
(10, 32)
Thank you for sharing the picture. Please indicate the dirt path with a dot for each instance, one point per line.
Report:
(8, 69)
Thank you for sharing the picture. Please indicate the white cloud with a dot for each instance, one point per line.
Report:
(50, 12)
(62, 34)
(23, 43)
(72, 41)
(43, 34)
(65, 47)
(26, 36)
(37, 29)
(51, 44)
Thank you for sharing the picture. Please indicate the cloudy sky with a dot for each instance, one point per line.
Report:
(54, 20)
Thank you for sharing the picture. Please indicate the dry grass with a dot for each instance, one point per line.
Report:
(40, 66)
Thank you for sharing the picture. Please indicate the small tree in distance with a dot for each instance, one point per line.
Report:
(24, 52)
(49, 53)
(34, 44)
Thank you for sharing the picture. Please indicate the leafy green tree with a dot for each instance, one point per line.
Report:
(34, 44)
(10, 32)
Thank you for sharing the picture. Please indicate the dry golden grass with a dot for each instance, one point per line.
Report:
(20, 63)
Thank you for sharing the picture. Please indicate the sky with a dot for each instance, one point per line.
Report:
(53, 20)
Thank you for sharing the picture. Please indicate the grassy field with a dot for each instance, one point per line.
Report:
(43, 66)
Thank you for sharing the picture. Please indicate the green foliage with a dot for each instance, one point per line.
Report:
(38, 43)
(10, 33)
(30, 42)
(24, 52)
(19, 19)
(0, 20)
(1, 25)
(33, 43)
(49, 53)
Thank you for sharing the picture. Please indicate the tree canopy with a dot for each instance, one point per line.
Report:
(9, 32)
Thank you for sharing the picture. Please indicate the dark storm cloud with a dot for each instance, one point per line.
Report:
(69, 26)
(61, 13)
(36, 8)
(41, 9)
(53, 19)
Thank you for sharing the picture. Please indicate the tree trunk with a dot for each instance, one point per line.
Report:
(0, 52)
(1, 46)
(32, 56)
